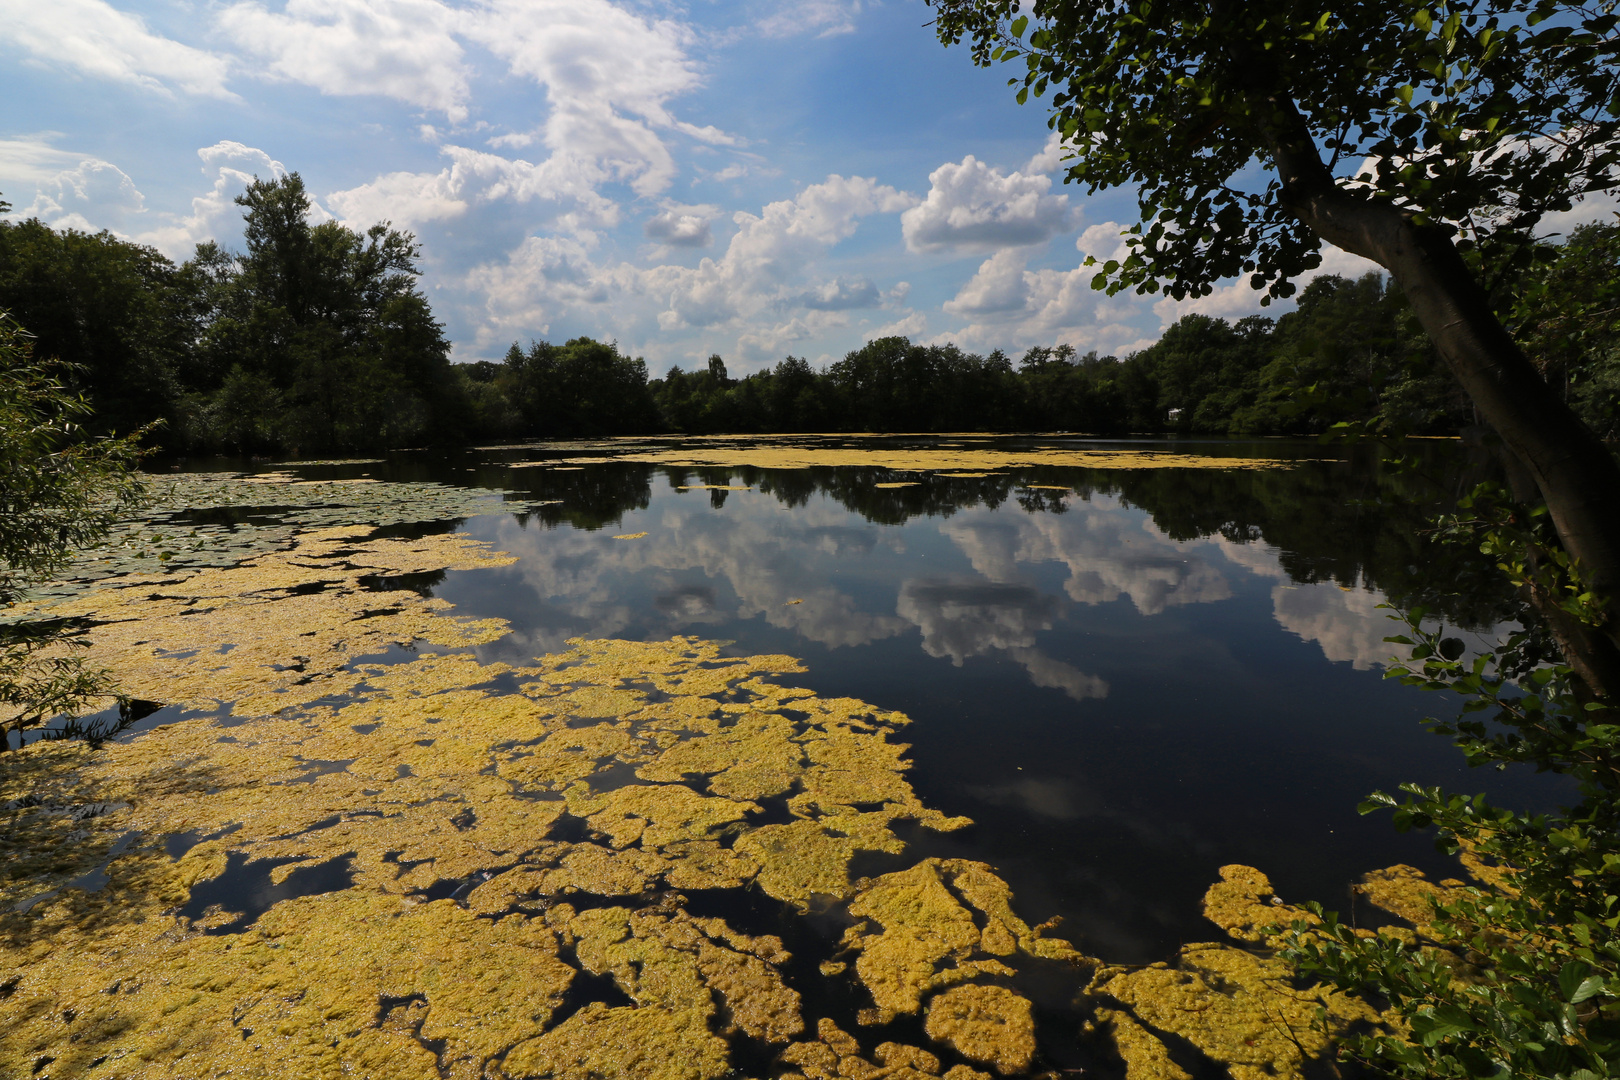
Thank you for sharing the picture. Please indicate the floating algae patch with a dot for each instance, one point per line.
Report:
(344, 461)
(470, 912)
(836, 1055)
(968, 461)
(1243, 1010)
(939, 923)
(1238, 1009)
(276, 630)
(498, 856)
(214, 520)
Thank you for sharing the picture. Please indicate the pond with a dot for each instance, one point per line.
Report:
(1127, 678)
(1129, 664)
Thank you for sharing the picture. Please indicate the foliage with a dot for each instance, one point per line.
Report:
(1484, 114)
(1350, 344)
(583, 387)
(1568, 315)
(59, 491)
(326, 326)
(314, 338)
(1518, 975)
(114, 310)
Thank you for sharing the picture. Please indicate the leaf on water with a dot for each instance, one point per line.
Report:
(630, 536)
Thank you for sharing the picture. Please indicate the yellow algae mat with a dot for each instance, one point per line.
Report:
(803, 451)
(434, 867)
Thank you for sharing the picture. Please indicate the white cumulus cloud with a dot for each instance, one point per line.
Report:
(231, 166)
(973, 207)
(92, 187)
(682, 226)
(762, 292)
(402, 49)
(95, 39)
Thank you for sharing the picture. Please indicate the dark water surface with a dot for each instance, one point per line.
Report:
(1127, 678)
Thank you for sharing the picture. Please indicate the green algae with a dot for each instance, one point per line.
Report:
(439, 778)
(422, 778)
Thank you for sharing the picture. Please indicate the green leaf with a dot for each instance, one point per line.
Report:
(1571, 977)
(1018, 26)
(1588, 989)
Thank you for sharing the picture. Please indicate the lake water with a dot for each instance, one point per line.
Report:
(1126, 677)
(1129, 664)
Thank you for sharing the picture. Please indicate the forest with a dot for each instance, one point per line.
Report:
(316, 338)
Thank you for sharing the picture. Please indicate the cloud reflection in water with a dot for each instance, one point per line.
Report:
(706, 565)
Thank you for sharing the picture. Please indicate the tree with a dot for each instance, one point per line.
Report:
(1570, 319)
(59, 491)
(332, 320)
(110, 309)
(583, 387)
(1470, 121)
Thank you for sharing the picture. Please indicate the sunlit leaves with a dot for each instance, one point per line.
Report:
(1520, 975)
(1484, 115)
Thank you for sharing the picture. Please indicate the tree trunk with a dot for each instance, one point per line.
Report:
(1575, 473)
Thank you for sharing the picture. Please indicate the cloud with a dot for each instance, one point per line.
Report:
(746, 563)
(32, 159)
(824, 18)
(1237, 299)
(773, 340)
(998, 285)
(682, 226)
(96, 40)
(972, 207)
(544, 276)
(1103, 241)
(71, 190)
(1056, 799)
(1013, 306)
(1598, 206)
(403, 49)
(1109, 554)
(912, 325)
(232, 167)
(1346, 623)
(604, 118)
(1049, 157)
(841, 294)
(962, 619)
(91, 187)
(764, 260)
(602, 109)
(565, 186)
(1056, 675)
(405, 198)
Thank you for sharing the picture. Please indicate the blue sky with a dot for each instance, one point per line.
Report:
(744, 177)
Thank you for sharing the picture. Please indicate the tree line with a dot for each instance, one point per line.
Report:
(317, 338)
(1351, 353)
(314, 337)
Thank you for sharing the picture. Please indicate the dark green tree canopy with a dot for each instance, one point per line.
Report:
(1478, 115)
